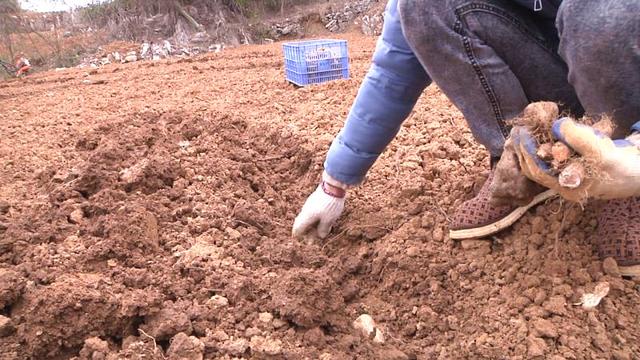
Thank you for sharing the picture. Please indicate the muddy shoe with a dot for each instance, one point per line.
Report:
(478, 217)
(618, 234)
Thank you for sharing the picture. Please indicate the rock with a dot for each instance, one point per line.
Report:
(265, 345)
(545, 328)
(610, 267)
(235, 347)
(218, 301)
(265, 317)
(76, 216)
(6, 327)
(536, 346)
(94, 348)
(367, 327)
(184, 347)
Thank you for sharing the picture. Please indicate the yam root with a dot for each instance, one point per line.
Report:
(572, 175)
(509, 185)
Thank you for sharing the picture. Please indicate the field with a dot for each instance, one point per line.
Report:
(146, 210)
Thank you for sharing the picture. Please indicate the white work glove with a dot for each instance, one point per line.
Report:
(323, 207)
(615, 165)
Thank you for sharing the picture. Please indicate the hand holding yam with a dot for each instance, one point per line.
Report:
(578, 161)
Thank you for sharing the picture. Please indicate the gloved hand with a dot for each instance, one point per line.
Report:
(323, 207)
(613, 166)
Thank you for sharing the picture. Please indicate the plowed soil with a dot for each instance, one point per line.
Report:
(146, 212)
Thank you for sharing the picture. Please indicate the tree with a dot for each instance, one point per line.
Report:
(9, 7)
(8, 21)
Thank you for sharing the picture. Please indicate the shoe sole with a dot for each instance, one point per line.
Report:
(631, 271)
(503, 223)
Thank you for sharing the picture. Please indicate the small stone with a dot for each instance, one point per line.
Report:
(545, 328)
(233, 233)
(112, 263)
(76, 216)
(265, 317)
(6, 327)
(536, 346)
(235, 347)
(217, 301)
(610, 267)
(265, 345)
(366, 325)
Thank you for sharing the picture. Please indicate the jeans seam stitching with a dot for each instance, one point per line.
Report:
(469, 8)
(486, 87)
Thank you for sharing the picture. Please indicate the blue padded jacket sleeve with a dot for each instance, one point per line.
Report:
(387, 95)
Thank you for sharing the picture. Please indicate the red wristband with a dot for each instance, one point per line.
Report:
(334, 191)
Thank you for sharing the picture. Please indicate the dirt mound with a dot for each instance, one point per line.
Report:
(150, 215)
(307, 298)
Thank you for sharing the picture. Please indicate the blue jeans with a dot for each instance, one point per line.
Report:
(492, 58)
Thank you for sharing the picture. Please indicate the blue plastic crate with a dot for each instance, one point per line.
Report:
(316, 61)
